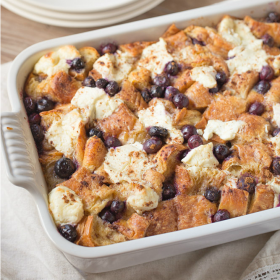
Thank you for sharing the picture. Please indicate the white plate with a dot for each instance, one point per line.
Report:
(78, 16)
(146, 5)
(79, 6)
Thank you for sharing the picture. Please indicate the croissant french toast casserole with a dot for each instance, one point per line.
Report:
(147, 138)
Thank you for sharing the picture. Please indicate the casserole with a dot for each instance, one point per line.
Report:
(24, 169)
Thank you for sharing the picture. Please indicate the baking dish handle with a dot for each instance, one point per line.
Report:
(15, 150)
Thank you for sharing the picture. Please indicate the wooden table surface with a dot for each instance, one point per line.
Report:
(19, 33)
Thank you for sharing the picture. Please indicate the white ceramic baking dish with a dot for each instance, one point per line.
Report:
(23, 168)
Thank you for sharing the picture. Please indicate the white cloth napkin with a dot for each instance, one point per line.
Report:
(27, 253)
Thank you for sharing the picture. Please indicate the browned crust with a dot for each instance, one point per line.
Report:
(135, 49)
(135, 227)
(131, 97)
(193, 211)
(167, 158)
(163, 219)
(199, 96)
(172, 30)
(262, 199)
(235, 201)
(225, 108)
(95, 152)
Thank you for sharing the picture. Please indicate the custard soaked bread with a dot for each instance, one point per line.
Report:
(147, 138)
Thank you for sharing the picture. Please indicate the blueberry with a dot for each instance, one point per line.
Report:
(197, 42)
(267, 73)
(221, 78)
(117, 206)
(108, 48)
(157, 92)
(247, 183)
(37, 133)
(95, 132)
(162, 80)
(158, 131)
(64, 168)
(276, 132)
(107, 216)
(112, 88)
(152, 145)
(221, 215)
(89, 82)
(172, 68)
(146, 95)
(276, 166)
(180, 101)
(170, 92)
(228, 143)
(188, 131)
(214, 90)
(221, 152)
(44, 104)
(101, 83)
(212, 194)
(195, 141)
(34, 118)
(168, 191)
(77, 64)
(112, 142)
(262, 87)
(184, 153)
(268, 40)
(29, 105)
(256, 108)
(68, 232)
(273, 17)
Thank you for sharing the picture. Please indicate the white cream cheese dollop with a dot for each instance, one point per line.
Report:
(63, 133)
(114, 67)
(248, 54)
(201, 156)
(247, 58)
(225, 130)
(127, 163)
(236, 32)
(205, 75)
(56, 61)
(66, 207)
(94, 103)
(156, 115)
(276, 114)
(155, 57)
(275, 185)
(143, 199)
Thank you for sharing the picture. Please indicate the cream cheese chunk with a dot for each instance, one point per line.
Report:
(225, 130)
(156, 115)
(236, 32)
(94, 103)
(249, 58)
(114, 67)
(248, 54)
(54, 62)
(63, 133)
(143, 199)
(66, 207)
(276, 64)
(275, 185)
(155, 57)
(276, 114)
(201, 156)
(127, 163)
(205, 75)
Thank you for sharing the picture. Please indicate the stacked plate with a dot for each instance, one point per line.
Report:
(81, 13)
